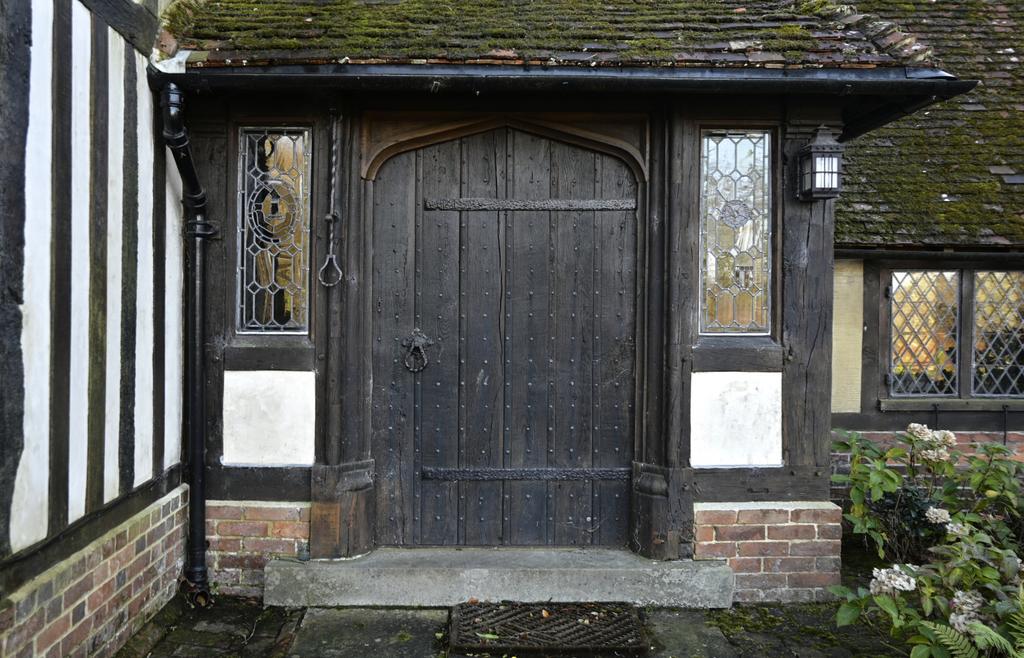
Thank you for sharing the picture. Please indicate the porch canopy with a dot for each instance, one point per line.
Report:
(814, 47)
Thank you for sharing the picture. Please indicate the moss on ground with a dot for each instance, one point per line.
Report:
(797, 629)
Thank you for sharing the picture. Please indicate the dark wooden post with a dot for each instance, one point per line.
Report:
(661, 513)
(806, 305)
(341, 518)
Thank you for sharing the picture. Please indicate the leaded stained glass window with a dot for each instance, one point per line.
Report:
(924, 321)
(998, 333)
(273, 230)
(735, 232)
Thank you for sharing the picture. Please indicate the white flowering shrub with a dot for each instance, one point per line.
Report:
(947, 521)
(903, 497)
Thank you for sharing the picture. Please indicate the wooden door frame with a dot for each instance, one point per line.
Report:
(665, 486)
(342, 482)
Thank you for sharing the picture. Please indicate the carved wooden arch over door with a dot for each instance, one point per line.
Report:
(386, 134)
(504, 324)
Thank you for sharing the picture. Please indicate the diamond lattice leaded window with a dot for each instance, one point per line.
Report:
(925, 312)
(998, 333)
(735, 232)
(273, 230)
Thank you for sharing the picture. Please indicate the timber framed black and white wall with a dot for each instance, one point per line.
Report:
(92, 336)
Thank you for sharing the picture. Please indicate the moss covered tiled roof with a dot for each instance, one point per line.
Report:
(953, 174)
(745, 33)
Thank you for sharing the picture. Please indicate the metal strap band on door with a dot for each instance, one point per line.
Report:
(330, 273)
(537, 474)
(568, 205)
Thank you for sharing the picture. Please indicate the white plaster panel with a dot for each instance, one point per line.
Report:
(269, 418)
(78, 375)
(30, 506)
(115, 208)
(144, 277)
(847, 335)
(173, 319)
(736, 419)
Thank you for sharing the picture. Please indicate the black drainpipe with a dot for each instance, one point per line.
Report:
(197, 231)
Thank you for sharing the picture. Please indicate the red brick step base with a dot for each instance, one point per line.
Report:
(779, 551)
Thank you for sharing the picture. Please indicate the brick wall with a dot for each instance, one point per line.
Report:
(966, 442)
(787, 551)
(92, 602)
(243, 535)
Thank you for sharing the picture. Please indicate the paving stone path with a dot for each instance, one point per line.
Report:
(239, 627)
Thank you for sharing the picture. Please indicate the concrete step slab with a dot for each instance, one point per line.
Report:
(442, 577)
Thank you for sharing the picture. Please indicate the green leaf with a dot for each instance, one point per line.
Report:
(847, 614)
(959, 645)
(920, 651)
(487, 636)
(986, 638)
(840, 591)
(886, 603)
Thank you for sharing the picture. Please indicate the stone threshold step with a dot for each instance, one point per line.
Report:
(442, 577)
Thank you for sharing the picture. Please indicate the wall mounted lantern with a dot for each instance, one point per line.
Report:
(821, 167)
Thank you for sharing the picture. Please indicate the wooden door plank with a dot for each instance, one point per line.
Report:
(572, 177)
(529, 176)
(483, 175)
(615, 347)
(393, 285)
(532, 314)
(438, 291)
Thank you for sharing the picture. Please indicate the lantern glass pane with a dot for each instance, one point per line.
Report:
(806, 173)
(826, 172)
(735, 232)
(273, 230)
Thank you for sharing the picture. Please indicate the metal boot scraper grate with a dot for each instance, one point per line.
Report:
(553, 628)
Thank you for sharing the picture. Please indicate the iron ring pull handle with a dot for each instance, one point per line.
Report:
(330, 273)
(416, 354)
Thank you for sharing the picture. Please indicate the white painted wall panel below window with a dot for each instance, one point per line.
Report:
(269, 418)
(736, 419)
(30, 506)
(78, 399)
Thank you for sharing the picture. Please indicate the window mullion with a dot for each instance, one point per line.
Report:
(965, 339)
(884, 352)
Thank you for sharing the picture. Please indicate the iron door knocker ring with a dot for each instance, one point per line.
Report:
(416, 354)
(330, 274)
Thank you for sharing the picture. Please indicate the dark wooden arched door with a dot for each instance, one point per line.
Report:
(504, 333)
